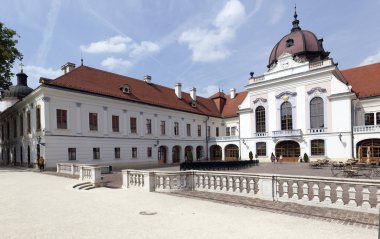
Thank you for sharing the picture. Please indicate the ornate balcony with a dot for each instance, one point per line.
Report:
(366, 128)
(317, 130)
(261, 134)
(287, 133)
(225, 138)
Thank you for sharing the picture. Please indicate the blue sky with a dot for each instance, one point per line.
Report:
(207, 44)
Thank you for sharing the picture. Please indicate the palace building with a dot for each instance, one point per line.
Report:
(302, 104)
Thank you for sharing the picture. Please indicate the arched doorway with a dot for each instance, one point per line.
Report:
(215, 152)
(189, 153)
(368, 150)
(231, 152)
(290, 151)
(176, 154)
(199, 152)
(162, 159)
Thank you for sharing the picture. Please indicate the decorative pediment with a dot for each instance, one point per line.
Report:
(260, 99)
(286, 93)
(316, 89)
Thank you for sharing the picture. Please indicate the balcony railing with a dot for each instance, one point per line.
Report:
(286, 133)
(224, 138)
(261, 134)
(366, 128)
(317, 130)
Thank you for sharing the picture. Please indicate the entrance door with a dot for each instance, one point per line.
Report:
(162, 155)
(176, 154)
(368, 150)
(290, 151)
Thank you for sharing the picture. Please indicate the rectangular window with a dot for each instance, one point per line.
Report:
(133, 125)
(162, 127)
(38, 119)
(228, 131)
(61, 119)
(148, 126)
(21, 125)
(369, 119)
(149, 152)
(134, 152)
(176, 128)
(217, 131)
(188, 129)
(72, 154)
(117, 153)
(115, 123)
(28, 123)
(208, 131)
(199, 130)
(378, 118)
(261, 149)
(15, 128)
(93, 121)
(96, 153)
(318, 147)
(233, 131)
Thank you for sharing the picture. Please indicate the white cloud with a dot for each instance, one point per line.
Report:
(278, 12)
(35, 72)
(113, 63)
(209, 45)
(120, 44)
(371, 59)
(208, 90)
(114, 44)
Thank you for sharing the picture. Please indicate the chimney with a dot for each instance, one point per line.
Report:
(178, 91)
(193, 94)
(66, 68)
(232, 93)
(148, 79)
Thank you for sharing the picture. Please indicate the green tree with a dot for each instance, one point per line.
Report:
(250, 155)
(8, 54)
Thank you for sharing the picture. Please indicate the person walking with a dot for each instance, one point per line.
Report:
(273, 158)
(41, 164)
(280, 158)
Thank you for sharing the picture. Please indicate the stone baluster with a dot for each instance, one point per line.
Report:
(230, 184)
(339, 195)
(256, 185)
(285, 189)
(315, 192)
(244, 185)
(237, 185)
(365, 193)
(305, 192)
(212, 182)
(206, 182)
(295, 191)
(327, 190)
(217, 183)
(167, 182)
(224, 183)
(351, 196)
(377, 199)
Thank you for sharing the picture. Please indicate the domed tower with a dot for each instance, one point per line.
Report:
(15, 93)
(301, 44)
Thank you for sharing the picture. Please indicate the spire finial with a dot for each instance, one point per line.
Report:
(81, 59)
(295, 21)
(21, 67)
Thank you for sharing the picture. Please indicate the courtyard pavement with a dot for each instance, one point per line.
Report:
(35, 205)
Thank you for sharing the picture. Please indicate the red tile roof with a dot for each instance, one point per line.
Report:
(91, 80)
(365, 80)
(231, 106)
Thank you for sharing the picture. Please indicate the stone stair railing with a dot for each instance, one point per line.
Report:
(358, 194)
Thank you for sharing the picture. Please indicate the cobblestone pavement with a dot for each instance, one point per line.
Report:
(345, 217)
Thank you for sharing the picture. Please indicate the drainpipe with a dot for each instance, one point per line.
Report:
(353, 117)
(239, 139)
(207, 136)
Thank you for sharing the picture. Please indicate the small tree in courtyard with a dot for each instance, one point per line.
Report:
(305, 158)
(250, 155)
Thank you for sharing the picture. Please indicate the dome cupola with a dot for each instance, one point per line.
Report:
(20, 90)
(303, 45)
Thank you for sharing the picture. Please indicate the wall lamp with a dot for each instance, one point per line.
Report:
(157, 143)
(340, 137)
(39, 141)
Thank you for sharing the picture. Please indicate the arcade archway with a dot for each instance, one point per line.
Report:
(290, 151)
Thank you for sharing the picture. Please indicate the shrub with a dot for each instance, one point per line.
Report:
(250, 155)
(305, 158)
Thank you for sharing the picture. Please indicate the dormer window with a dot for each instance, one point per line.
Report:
(126, 89)
(289, 42)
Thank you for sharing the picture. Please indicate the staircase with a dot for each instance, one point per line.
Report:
(84, 186)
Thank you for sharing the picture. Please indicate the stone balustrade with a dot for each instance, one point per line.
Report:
(358, 194)
(366, 128)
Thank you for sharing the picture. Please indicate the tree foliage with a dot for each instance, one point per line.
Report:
(8, 54)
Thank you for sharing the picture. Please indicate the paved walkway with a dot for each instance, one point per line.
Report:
(35, 205)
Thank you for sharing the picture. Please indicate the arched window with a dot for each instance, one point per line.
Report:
(316, 113)
(286, 116)
(317, 147)
(260, 119)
